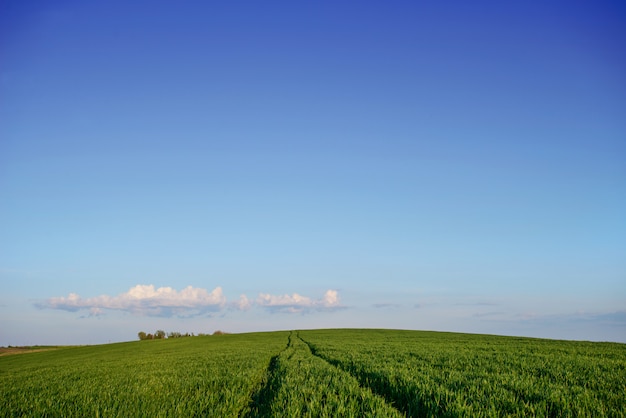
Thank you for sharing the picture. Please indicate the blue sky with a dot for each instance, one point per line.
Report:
(424, 165)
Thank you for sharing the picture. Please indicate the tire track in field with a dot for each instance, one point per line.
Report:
(379, 384)
(363, 383)
(262, 398)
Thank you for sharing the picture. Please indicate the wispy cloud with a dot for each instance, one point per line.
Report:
(296, 303)
(615, 318)
(476, 304)
(145, 300)
(490, 314)
(386, 305)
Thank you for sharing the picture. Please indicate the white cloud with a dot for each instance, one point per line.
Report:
(331, 299)
(166, 301)
(146, 300)
(296, 303)
(243, 304)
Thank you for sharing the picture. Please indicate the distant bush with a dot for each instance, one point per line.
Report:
(179, 335)
(159, 335)
(143, 336)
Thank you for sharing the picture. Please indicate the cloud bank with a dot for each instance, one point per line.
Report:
(166, 301)
(146, 300)
(298, 304)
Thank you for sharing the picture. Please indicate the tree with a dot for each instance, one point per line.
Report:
(142, 335)
(160, 334)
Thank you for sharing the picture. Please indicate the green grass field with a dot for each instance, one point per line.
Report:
(325, 373)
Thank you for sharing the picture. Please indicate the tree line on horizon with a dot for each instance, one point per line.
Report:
(161, 335)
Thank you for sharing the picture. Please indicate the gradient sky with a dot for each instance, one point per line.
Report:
(193, 166)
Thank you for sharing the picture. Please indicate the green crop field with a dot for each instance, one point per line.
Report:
(324, 373)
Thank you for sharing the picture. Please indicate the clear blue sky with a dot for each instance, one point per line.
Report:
(191, 166)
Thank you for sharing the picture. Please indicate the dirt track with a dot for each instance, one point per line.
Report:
(8, 351)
